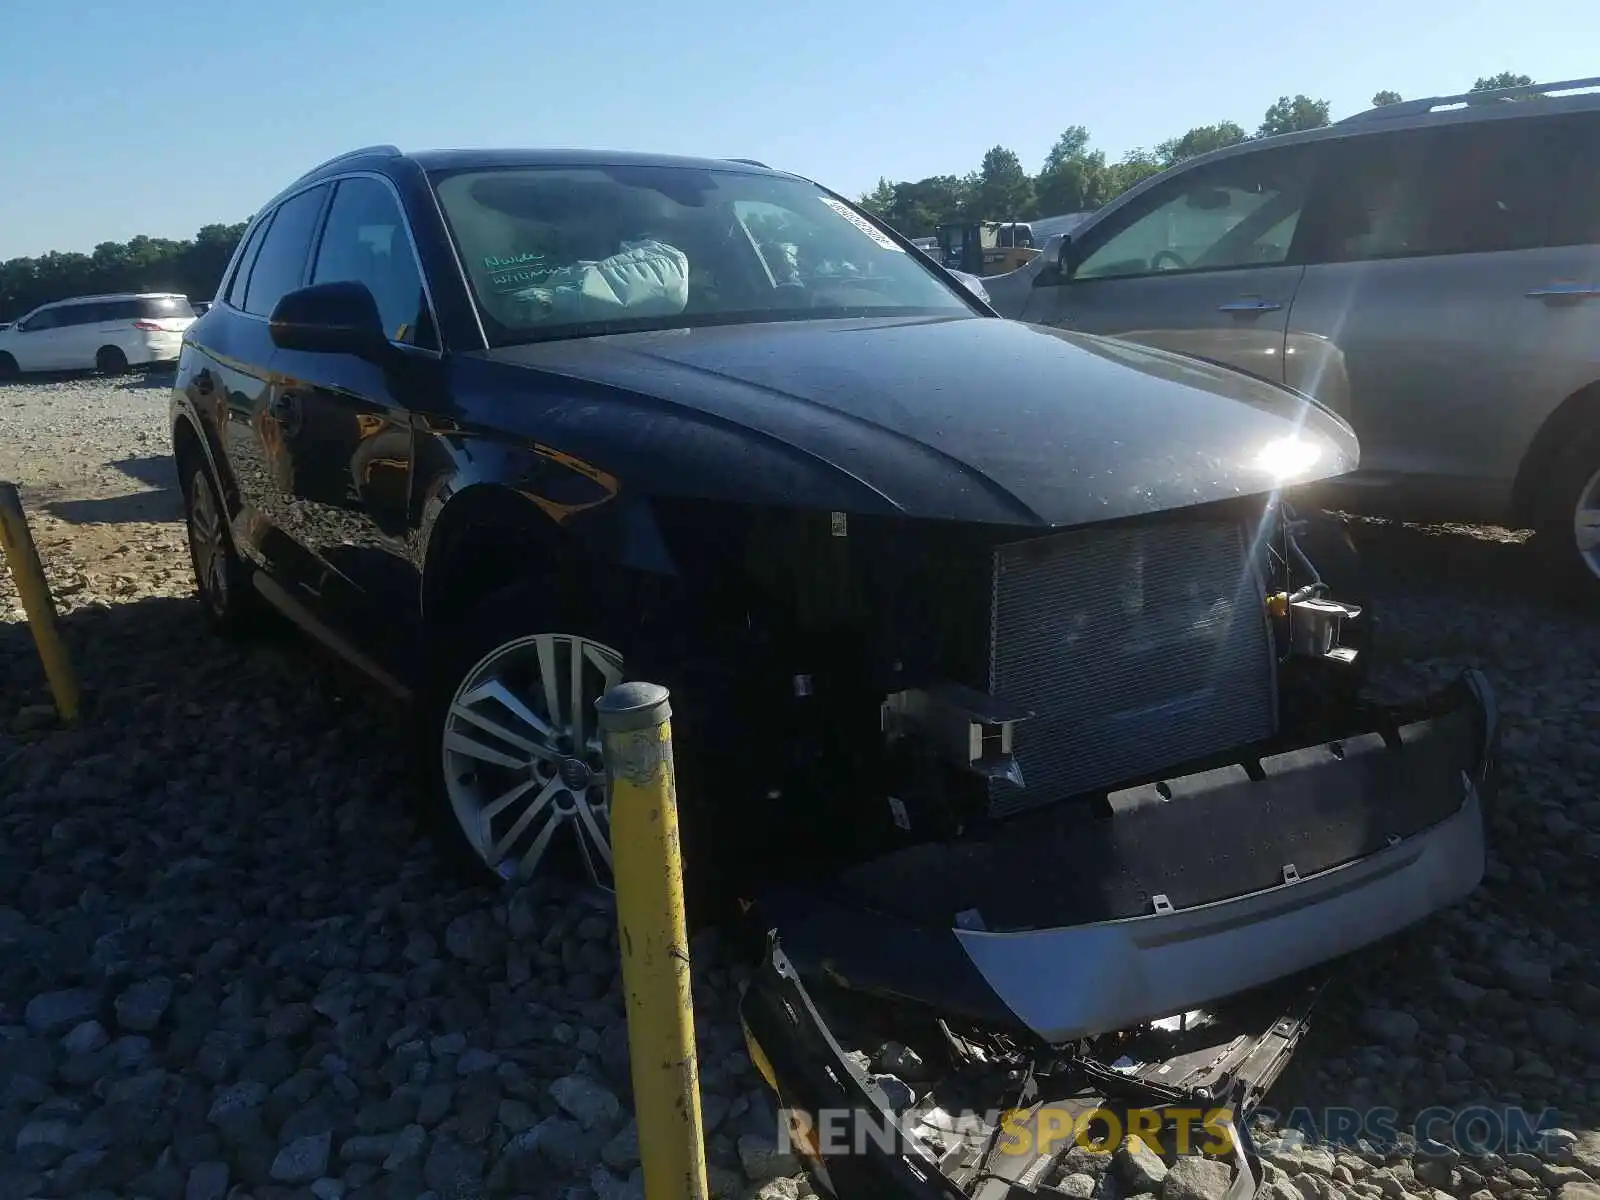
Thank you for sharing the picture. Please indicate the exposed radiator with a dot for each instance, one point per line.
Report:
(1138, 647)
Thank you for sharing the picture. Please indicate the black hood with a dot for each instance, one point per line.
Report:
(974, 418)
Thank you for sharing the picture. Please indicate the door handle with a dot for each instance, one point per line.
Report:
(1252, 304)
(1564, 291)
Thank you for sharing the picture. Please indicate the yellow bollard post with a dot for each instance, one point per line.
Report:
(22, 556)
(635, 721)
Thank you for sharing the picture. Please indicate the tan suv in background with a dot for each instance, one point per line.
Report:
(1429, 269)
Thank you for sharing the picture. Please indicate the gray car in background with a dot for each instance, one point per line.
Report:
(1428, 269)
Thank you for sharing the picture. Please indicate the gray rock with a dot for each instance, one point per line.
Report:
(368, 1147)
(52, 1013)
(303, 1159)
(587, 1101)
(1141, 1167)
(621, 1153)
(85, 1038)
(1390, 1026)
(235, 1097)
(408, 1146)
(762, 1158)
(453, 1170)
(1077, 1186)
(1296, 1158)
(1192, 1177)
(207, 1181)
(1579, 1191)
(141, 1007)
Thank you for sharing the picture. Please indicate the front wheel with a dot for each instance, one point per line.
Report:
(8, 368)
(510, 726)
(1571, 535)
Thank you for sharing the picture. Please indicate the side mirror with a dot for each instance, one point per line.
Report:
(329, 318)
(1057, 269)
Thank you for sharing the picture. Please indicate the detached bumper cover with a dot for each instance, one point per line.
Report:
(1359, 839)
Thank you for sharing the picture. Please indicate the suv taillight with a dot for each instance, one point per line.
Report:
(150, 325)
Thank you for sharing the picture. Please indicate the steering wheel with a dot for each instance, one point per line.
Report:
(1159, 255)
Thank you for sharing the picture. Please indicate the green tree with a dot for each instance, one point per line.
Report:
(1004, 188)
(880, 199)
(141, 264)
(1202, 139)
(1504, 79)
(1135, 167)
(1379, 99)
(1073, 177)
(1289, 114)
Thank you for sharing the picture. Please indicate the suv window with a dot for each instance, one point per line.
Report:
(1241, 212)
(241, 274)
(365, 240)
(1466, 189)
(48, 319)
(281, 263)
(162, 307)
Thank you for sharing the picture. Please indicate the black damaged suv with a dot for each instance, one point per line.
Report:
(1002, 686)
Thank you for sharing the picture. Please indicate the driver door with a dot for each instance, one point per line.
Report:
(1200, 264)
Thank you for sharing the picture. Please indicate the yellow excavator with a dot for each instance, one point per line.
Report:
(986, 247)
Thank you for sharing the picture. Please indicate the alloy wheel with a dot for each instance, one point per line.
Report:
(522, 757)
(1586, 524)
(208, 547)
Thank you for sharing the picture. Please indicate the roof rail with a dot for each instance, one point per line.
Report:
(383, 150)
(751, 162)
(1414, 108)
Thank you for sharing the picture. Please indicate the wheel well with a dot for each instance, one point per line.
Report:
(109, 348)
(1561, 434)
(185, 447)
(487, 539)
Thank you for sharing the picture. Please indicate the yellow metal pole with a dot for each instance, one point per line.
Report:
(635, 721)
(22, 556)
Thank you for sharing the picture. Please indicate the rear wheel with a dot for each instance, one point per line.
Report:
(109, 360)
(8, 367)
(221, 581)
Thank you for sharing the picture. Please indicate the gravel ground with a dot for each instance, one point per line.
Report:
(228, 965)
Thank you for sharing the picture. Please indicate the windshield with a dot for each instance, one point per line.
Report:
(579, 251)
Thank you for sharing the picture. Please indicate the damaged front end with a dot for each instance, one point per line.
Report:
(933, 1108)
(1098, 948)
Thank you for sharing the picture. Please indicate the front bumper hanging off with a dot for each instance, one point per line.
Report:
(1334, 807)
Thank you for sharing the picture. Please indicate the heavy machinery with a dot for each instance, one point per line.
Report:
(986, 247)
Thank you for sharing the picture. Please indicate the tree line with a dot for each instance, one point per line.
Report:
(1074, 177)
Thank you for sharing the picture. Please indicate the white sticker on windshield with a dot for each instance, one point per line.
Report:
(860, 222)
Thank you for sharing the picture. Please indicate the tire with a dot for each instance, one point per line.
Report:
(1569, 537)
(487, 744)
(109, 360)
(8, 368)
(222, 584)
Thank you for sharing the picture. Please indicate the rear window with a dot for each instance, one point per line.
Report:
(165, 306)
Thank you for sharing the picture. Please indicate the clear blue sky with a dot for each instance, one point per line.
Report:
(122, 118)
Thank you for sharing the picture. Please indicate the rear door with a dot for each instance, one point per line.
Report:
(1201, 264)
(347, 440)
(257, 427)
(1453, 288)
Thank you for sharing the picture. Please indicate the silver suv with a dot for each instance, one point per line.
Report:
(1428, 269)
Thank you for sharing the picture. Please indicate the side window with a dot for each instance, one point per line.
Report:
(365, 241)
(241, 274)
(48, 319)
(281, 263)
(1241, 212)
(69, 315)
(1467, 189)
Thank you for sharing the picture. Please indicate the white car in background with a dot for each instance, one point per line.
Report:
(102, 333)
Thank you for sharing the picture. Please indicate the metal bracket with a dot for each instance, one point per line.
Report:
(970, 729)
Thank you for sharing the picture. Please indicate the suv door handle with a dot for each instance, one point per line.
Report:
(1251, 304)
(1564, 291)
